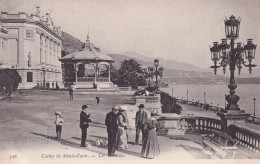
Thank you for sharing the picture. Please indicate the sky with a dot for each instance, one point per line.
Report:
(180, 30)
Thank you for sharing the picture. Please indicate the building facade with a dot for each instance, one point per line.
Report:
(32, 46)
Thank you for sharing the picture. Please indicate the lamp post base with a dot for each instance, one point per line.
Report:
(229, 117)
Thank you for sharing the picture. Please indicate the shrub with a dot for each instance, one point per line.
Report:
(169, 104)
(9, 79)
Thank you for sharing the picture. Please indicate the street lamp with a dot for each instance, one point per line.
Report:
(204, 98)
(187, 95)
(254, 106)
(150, 75)
(234, 57)
(156, 64)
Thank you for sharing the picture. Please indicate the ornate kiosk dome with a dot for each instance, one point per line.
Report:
(88, 68)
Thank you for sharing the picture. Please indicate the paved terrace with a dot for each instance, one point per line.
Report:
(28, 132)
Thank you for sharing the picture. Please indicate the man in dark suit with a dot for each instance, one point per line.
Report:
(84, 124)
(140, 118)
(112, 129)
(71, 93)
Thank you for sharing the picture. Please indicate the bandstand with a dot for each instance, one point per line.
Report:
(87, 68)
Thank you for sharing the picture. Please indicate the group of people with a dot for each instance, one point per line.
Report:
(117, 137)
(116, 128)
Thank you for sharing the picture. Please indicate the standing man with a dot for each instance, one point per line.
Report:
(140, 118)
(112, 129)
(84, 124)
(97, 98)
(71, 93)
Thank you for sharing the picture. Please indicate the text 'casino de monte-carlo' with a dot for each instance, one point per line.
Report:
(31, 44)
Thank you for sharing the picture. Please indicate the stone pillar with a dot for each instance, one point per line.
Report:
(96, 65)
(229, 117)
(46, 50)
(109, 75)
(43, 49)
(76, 71)
(50, 52)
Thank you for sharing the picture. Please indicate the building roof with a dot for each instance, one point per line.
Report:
(45, 22)
(88, 53)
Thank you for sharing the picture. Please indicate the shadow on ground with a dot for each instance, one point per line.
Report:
(195, 152)
(69, 143)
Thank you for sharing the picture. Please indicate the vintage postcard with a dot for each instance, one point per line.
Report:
(105, 81)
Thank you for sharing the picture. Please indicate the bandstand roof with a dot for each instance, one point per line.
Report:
(87, 53)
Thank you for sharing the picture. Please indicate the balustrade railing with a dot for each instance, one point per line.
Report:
(70, 79)
(86, 79)
(102, 79)
(253, 119)
(246, 137)
(124, 88)
(199, 104)
(151, 99)
(199, 124)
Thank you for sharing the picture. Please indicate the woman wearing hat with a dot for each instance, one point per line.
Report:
(122, 125)
(58, 122)
(150, 147)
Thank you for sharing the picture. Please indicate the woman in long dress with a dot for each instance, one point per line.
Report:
(122, 136)
(150, 147)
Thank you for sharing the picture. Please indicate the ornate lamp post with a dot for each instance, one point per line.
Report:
(228, 55)
(187, 96)
(254, 106)
(234, 57)
(156, 64)
(150, 75)
(204, 98)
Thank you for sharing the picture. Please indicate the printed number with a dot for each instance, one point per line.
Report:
(13, 156)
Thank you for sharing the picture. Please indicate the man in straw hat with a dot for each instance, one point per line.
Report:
(140, 118)
(112, 130)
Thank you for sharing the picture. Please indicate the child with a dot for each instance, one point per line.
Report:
(98, 99)
(58, 122)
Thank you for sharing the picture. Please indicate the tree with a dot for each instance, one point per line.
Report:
(131, 73)
(169, 104)
(160, 72)
(114, 74)
(9, 79)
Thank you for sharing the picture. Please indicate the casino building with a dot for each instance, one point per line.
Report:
(31, 44)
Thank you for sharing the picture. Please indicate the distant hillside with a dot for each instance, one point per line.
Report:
(70, 43)
(166, 63)
(172, 75)
(173, 71)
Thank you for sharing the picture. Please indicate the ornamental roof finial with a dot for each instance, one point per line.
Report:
(88, 35)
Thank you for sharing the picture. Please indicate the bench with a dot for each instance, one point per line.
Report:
(221, 144)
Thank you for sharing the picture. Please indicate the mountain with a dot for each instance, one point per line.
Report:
(166, 63)
(173, 71)
(70, 43)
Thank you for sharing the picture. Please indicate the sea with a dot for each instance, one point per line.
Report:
(215, 94)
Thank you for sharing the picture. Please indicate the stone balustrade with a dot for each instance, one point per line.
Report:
(85, 79)
(124, 88)
(199, 124)
(101, 79)
(150, 102)
(246, 137)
